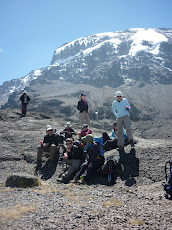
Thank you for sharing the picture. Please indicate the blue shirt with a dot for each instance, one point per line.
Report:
(114, 134)
(119, 108)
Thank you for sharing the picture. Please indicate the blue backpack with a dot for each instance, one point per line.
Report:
(168, 186)
(99, 141)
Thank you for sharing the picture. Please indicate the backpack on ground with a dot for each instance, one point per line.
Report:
(168, 185)
(99, 141)
(110, 169)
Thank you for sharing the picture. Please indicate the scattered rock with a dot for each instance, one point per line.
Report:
(21, 181)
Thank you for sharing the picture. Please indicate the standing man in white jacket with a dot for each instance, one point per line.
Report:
(120, 108)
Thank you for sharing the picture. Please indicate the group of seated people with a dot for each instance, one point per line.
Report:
(82, 155)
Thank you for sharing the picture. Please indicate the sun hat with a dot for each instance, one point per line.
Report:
(84, 126)
(118, 94)
(49, 128)
(82, 94)
(68, 124)
(88, 138)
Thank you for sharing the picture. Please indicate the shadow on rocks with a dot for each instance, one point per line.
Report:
(129, 164)
(48, 170)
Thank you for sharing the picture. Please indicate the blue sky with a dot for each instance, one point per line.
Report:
(30, 30)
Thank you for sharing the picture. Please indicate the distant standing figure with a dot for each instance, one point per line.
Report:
(83, 109)
(120, 108)
(24, 100)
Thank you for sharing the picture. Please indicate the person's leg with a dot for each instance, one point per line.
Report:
(39, 153)
(87, 118)
(82, 119)
(92, 170)
(120, 132)
(81, 171)
(25, 108)
(127, 124)
(75, 164)
(54, 150)
(105, 137)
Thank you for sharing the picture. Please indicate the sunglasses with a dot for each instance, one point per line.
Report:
(118, 96)
(69, 143)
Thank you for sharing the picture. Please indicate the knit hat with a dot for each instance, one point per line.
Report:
(88, 138)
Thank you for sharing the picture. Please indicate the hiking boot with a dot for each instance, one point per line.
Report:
(132, 145)
(76, 179)
(64, 180)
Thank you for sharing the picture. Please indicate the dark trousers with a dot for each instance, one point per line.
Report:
(110, 144)
(92, 170)
(24, 108)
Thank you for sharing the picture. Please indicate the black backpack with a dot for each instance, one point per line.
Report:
(168, 186)
(110, 169)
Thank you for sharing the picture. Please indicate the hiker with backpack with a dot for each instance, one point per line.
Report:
(68, 131)
(94, 160)
(83, 110)
(112, 142)
(50, 144)
(120, 108)
(73, 158)
(24, 100)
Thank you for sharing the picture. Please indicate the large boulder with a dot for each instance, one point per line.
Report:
(21, 181)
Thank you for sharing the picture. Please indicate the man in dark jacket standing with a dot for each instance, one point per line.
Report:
(50, 145)
(72, 157)
(83, 109)
(24, 100)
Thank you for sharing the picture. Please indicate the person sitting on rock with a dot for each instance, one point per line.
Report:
(73, 157)
(68, 131)
(112, 142)
(50, 145)
(93, 161)
(84, 131)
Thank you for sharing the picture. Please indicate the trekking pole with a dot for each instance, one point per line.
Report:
(110, 170)
(166, 170)
(170, 163)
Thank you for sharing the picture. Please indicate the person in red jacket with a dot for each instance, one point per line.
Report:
(84, 131)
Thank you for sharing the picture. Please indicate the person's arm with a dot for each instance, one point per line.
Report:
(45, 142)
(78, 106)
(112, 135)
(114, 109)
(128, 107)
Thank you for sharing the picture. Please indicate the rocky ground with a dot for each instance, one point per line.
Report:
(135, 201)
